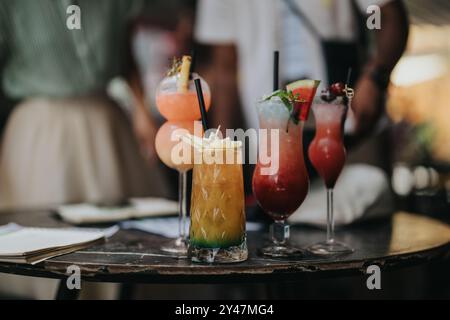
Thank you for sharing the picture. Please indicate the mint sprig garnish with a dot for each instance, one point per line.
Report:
(290, 100)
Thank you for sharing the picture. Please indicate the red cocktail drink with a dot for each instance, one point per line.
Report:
(326, 151)
(280, 184)
(281, 193)
(327, 154)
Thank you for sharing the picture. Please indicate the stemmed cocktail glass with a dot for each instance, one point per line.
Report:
(281, 185)
(280, 180)
(327, 154)
(176, 100)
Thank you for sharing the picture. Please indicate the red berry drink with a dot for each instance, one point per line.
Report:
(326, 151)
(281, 193)
(280, 181)
(327, 154)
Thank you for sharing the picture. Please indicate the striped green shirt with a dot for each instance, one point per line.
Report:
(41, 56)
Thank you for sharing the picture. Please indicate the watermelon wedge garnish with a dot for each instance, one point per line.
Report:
(306, 90)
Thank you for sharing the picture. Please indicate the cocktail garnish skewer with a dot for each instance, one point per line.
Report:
(183, 81)
(349, 92)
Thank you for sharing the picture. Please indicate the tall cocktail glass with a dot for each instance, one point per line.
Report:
(327, 154)
(281, 185)
(217, 231)
(180, 108)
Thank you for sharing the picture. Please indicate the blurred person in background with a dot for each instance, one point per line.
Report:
(66, 140)
(317, 40)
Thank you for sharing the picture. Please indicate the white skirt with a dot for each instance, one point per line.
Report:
(58, 151)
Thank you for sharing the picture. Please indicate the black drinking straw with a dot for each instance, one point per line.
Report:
(193, 61)
(349, 74)
(276, 60)
(201, 103)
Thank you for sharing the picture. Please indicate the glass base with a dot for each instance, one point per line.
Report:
(330, 248)
(278, 251)
(219, 255)
(176, 246)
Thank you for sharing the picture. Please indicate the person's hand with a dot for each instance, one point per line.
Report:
(145, 133)
(367, 106)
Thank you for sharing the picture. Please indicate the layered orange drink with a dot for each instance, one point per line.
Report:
(217, 230)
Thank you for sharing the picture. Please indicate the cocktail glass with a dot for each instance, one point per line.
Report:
(280, 189)
(180, 108)
(181, 105)
(217, 230)
(327, 154)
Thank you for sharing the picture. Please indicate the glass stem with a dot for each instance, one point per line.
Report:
(330, 217)
(182, 204)
(279, 232)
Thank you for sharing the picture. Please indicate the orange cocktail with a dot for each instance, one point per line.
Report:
(217, 232)
(176, 100)
(178, 106)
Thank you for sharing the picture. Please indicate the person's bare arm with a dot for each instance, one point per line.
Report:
(222, 77)
(391, 40)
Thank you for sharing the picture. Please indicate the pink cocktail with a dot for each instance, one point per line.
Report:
(180, 106)
(176, 99)
(327, 154)
(280, 186)
(281, 193)
(327, 151)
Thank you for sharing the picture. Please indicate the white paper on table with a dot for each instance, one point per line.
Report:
(13, 227)
(10, 227)
(362, 191)
(84, 213)
(31, 245)
(26, 240)
(168, 227)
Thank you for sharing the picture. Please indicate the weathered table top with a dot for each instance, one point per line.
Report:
(133, 256)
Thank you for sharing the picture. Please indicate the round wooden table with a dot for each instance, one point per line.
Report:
(134, 257)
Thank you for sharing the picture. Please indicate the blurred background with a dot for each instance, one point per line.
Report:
(419, 124)
(418, 136)
(418, 107)
(419, 115)
(415, 152)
